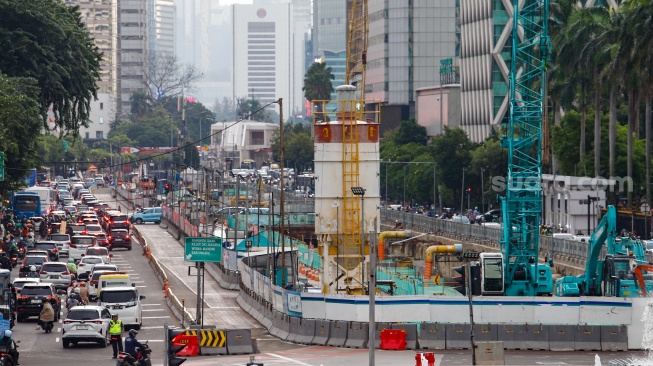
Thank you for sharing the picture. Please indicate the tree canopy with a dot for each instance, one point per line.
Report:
(47, 41)
(317, 82)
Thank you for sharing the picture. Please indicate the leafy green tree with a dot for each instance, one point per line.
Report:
(46, 40)
(318, 83)
(452, 152)
(298, 145)
(19, 118)
(410, 131)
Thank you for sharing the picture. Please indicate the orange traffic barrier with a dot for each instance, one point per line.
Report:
(166, 288)
(393, 339)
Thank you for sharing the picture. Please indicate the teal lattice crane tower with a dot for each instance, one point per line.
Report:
(522, 205)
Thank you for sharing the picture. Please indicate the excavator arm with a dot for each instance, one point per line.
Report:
(606, 231)
(639, 277)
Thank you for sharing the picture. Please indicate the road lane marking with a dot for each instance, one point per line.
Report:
(156, 317)
(151, 305)
(141, 286)
(162, 309)
(153, 327)
(289, 359)
(56, 339)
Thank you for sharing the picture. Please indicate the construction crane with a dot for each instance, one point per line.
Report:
(522, 204)
(357, 46)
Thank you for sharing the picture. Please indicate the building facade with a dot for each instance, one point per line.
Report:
(132, 51)
(329, 36)
(233, 142)
(406, 41)
(263, 54)
(162, 29)
(100, 17)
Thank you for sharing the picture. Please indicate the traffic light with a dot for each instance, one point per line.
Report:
(460, 280)
(172, 348)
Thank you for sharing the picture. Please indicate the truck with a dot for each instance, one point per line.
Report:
(622, 272)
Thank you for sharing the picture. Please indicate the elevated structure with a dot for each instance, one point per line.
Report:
(346, 156)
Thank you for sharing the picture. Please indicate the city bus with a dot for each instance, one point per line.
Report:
(26, 204)
(48, 197)
(248, 164)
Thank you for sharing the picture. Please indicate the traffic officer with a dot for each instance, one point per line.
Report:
(115, 332)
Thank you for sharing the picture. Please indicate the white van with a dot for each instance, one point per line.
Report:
(113, 279)
(125, 302)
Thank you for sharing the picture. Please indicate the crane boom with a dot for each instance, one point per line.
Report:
(522, 205)
(357, 46)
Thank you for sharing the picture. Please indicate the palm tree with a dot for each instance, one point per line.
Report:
(638, 22)
(317, 82)
(577, 47)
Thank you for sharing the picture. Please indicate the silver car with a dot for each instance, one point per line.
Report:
(63, 243)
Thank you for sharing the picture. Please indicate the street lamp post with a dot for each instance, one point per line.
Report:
(462, 191)
(360, 191)
(483, 189)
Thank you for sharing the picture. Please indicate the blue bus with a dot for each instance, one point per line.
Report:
(26, 204)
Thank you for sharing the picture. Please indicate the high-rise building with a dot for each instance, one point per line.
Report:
(264, 55)
(161, 18)
(100, 17)
(132, 50)
(329, 37)
(406, 42)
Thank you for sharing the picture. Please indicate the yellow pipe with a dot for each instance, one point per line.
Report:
(390, 234)
(428, 256)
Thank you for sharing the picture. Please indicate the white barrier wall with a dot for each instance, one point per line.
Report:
(440, 309)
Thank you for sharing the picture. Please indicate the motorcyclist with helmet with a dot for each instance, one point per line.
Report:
(131, 344)
(72, 267)
(5, 262)
(32, 271)
(12, 349)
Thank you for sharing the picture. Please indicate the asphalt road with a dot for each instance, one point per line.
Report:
(40, 349)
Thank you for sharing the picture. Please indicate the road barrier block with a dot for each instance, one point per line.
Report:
(458, 336)
(378, 328)
(239, 341)
(293, 332)
(489, 353)
(411, 333)
(306, 331)
(322, 330)
(212, 342)
(614, 338)
(393, 339)
(512, 336)
(338, 333)
(485, 332)
(562, 337)
(588, 338)
(190, 340)
(357, 335)
(432, 336)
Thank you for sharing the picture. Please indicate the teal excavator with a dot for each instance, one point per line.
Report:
(623, 272)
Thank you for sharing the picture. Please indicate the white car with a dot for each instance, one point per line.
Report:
(56, 273)
(87, 263)
(63, 243)
(86, 324)
(78, 245)
(21, 281)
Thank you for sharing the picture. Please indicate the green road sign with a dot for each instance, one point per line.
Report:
(2, 173)
(203, 249)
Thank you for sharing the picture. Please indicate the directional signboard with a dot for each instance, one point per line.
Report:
(198, 249)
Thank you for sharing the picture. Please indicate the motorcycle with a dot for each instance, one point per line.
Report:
(5, 358)
(142, 358)
(46, 326)
(21, 252)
